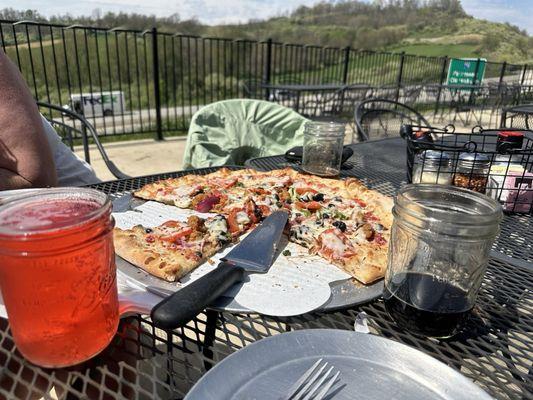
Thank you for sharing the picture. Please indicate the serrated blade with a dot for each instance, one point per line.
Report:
(256, 251)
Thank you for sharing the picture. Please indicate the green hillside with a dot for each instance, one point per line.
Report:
(423, 27)
(432, 28)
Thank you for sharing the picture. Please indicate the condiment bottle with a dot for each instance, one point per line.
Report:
(509, 140)
(432, 166)
(472, 171)
(503, 166)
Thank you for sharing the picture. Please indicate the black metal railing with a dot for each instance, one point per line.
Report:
(148, 81)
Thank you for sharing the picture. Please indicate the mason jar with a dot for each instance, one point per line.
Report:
(432, 166)
(322, 150)
(439, 247)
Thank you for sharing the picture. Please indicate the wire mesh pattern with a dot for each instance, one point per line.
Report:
(144, 362)
(496, 163)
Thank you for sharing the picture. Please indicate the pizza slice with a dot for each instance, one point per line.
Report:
(175, 248)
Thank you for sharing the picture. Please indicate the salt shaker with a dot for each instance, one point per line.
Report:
(432, 166)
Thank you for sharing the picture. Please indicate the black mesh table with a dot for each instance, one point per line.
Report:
(495, 350)
(520, 117)
(381, 164)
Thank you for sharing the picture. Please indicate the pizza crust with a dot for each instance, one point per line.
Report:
(169, 265)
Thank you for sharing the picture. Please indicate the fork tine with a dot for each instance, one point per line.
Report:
(328, 386)
(317, 385)
(297, 386)
(311, 380)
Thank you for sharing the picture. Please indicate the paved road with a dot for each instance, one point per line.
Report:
(141, 120)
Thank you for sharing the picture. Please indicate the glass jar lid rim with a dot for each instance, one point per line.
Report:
(406, 201)
(42, 195)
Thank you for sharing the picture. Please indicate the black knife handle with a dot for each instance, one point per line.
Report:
(181, 307)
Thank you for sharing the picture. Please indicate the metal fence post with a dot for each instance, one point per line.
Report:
(157, 90)
(346, 64)
(442, 78)
(400, 73)
(524, 72)
(474, 83)
(268, 67)
(502, 74)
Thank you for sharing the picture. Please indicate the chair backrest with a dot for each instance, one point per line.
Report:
(379, 118)
(72, 127)
(231, 131)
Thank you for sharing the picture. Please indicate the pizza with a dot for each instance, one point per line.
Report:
(341, 221)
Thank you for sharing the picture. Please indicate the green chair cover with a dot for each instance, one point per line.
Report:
(230, 132)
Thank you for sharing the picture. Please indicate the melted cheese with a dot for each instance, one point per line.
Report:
(181, 196)
(242, 218)
(334, 243)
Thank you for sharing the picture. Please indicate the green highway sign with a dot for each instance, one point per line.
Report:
(466, 71)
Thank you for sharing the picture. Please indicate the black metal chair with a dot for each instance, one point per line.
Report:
(378, 118)
(516, 117)
(70, 126)
(253, 89)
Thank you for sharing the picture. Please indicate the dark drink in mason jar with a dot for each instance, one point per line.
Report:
(440, 241)
(426, 305)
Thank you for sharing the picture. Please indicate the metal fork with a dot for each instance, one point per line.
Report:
(314, 383)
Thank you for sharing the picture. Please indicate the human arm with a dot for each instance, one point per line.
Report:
(25, 156)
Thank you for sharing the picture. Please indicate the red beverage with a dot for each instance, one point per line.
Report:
(57, 274)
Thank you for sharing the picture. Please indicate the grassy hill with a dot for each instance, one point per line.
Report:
(434, 28)
(430, 27)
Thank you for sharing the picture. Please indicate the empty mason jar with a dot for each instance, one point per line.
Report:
(322, 152)
(438, 253)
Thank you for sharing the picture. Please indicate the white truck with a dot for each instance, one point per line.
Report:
(98, 104)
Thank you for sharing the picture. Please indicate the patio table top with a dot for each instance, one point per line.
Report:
(494, 350)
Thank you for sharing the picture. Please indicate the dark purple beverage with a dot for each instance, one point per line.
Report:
(426, 305)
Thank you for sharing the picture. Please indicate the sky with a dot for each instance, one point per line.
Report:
(517, 12)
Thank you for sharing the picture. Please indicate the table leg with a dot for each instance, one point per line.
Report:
(209, 337)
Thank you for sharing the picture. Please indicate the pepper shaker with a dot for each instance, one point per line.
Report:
(472, 172)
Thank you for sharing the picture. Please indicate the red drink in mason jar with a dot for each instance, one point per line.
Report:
(57, 274)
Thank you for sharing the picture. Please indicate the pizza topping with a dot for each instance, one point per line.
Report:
(302, 235)
(182, 195)
(150, 238)
(196, 223)
(379, 239)
(340, 225)
(318, 197)
(218, 229)
(334, 245)
(148, 230)
(254, 213)
(364, 233)
(175, 236)
(207, 203)
(311, 205)
(242, 218)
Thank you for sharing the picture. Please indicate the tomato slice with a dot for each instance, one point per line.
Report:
(172, 224)
(304, 190)
(309, 205)
(360, 202)
(173, 237)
